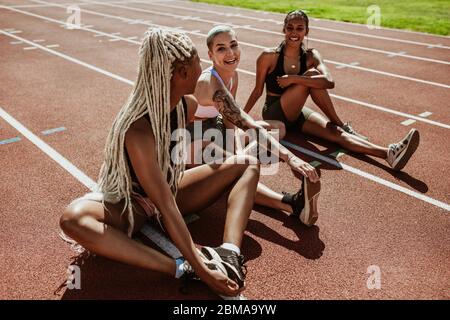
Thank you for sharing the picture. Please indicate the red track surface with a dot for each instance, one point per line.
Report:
(361, 223)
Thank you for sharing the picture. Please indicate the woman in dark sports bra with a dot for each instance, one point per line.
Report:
(291, 73)
(139, 177)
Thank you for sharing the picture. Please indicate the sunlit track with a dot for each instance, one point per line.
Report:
(357, 67)
(129, 82)
(370, 216)
(339, 97)
(238, 15)
(336, 22)
(244, 27)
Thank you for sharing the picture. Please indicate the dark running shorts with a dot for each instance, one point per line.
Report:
(210, 123)
(272, 111)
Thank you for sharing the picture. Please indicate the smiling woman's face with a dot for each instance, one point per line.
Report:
(224, 51)
(295, 31)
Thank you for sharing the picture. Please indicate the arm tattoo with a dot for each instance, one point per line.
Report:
(228, 108)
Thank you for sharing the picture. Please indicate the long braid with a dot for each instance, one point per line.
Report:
(159, 52)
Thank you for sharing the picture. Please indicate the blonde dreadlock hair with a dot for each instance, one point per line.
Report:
(160, 51)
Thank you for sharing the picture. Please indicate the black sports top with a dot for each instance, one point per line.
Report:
(173, 127)
(271, 79)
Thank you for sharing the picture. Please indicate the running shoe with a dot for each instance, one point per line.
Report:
(349, 129)
(233, 263)
(309, 213)
(399, 153)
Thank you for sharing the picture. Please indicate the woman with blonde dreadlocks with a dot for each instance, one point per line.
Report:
(138, 178)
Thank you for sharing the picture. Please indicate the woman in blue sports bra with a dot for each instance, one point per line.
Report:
(291, 73)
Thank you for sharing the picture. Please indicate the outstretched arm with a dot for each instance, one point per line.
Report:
(227, 106)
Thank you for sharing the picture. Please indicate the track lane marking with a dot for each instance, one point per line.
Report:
(238, 15)
(196, 32)
(295, 147)
(358, 102)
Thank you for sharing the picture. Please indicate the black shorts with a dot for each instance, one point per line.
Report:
(210, 123)
(272, 110)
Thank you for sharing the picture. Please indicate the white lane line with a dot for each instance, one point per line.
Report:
(52, 153)
(152, 233)
(181, 17)
(47, 5)
(395, 54)
(123, 19)
(39, 40)
(369, 176)
(29, 48)
(365, 104)
(342, 66)
(408, 122)
(306, 151)
(52, 46)
(425, 114)
(403, 114)
(74, 60)
(238, 15)
(16, 42)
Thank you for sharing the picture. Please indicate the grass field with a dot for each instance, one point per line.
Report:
(432, 16)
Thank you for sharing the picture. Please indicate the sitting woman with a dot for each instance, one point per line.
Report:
(291, 73)
(139, 179)
(215, 92)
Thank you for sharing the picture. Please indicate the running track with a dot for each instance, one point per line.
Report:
(77, 80)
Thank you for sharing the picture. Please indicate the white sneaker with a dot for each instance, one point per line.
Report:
(309, 213)
(400, 152)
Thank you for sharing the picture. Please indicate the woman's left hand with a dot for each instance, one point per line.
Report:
(304, 168)
(284, 81)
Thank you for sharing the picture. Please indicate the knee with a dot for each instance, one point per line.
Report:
(73, 217)
(245, 162)
(278, 125)
(340, 136)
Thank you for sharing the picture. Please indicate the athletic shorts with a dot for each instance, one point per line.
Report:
(272, 111)
(148, 206)
(210, 123)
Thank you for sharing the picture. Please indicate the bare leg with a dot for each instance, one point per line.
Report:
(317, 125)
(269, 198)
(203, 185)
(322, 99)
(293, 100)
(104, 232)
(264, 195)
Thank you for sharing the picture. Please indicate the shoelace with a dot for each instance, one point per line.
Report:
(399, 145)
(236, 260)
(347, 127)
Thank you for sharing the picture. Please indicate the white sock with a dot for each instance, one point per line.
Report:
(179, 271)
(232, 247)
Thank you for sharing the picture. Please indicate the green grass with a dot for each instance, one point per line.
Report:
(432, 16)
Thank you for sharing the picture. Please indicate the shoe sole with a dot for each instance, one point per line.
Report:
(309, 214)
(403, 159)
(211, 254)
